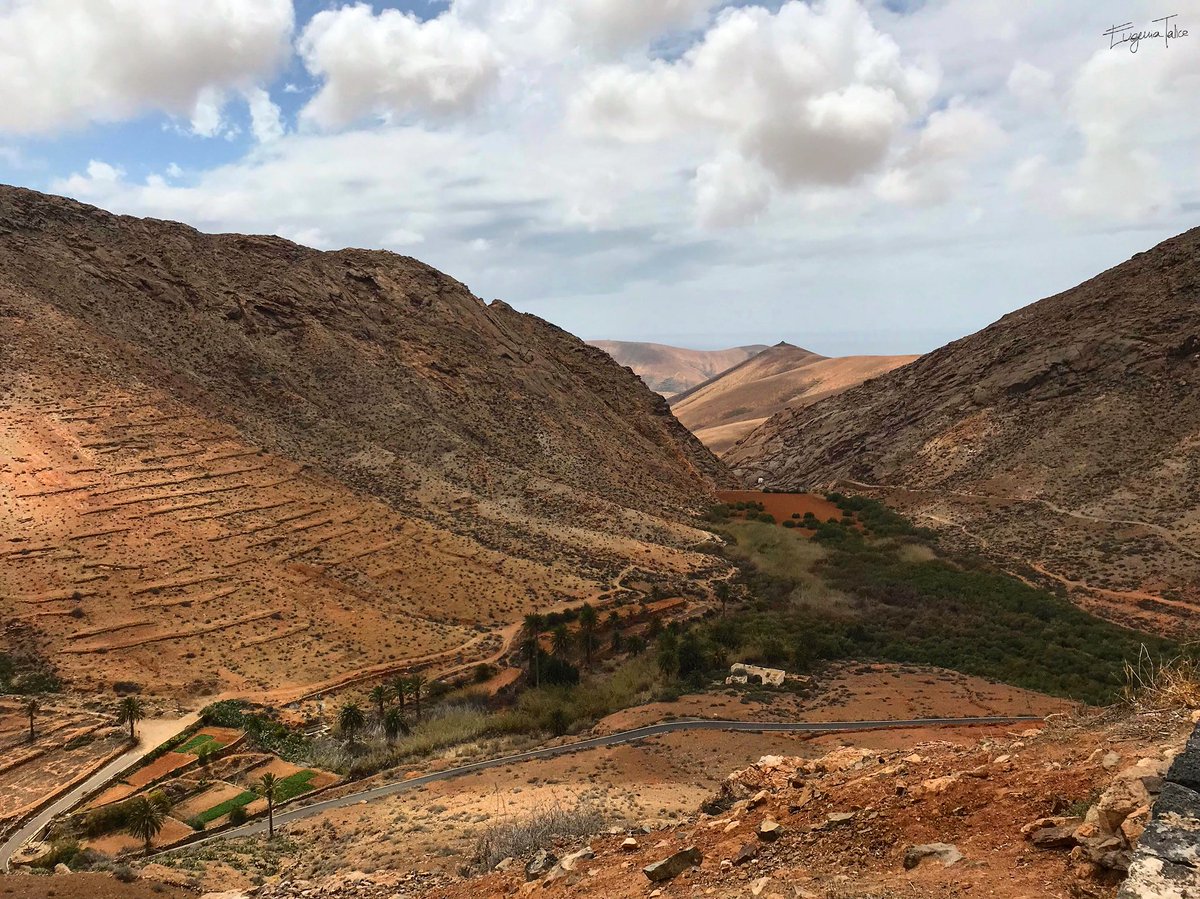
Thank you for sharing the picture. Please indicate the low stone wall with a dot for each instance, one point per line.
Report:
(1166, 864)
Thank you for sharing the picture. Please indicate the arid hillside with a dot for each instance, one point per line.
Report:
(1062, 440)
(670, 369)
(235, 463)
(726, 408)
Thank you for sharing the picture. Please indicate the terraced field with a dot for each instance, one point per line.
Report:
(140, 542)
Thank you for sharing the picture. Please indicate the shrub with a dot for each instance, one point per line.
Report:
(517, 837)
(237, 815)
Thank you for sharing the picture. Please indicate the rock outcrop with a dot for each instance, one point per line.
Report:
(1166, 864)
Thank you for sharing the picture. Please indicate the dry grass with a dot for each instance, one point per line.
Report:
(517, 837)
(1170, 684)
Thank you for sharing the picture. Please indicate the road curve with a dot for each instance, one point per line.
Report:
(626, 736)
(33, 826)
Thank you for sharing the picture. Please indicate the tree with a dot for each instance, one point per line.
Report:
(400, 690)
(668, 653)
(561, 646)
(416, 683)
(533, 646)
(132, 711)
(723, 592)
(380, 695)
(32, 707)
(146, 816)
(588, 619)
(268, 788)
(394, 724)
(351, 720)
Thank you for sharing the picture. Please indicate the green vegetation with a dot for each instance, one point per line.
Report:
(146, 816)
(260, 725)
(293, 785)
(866, 594)
(198, 744)
(224, 808)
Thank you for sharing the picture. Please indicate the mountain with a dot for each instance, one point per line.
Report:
(726, 408)
(1063, 440)
(236, 463)
(670, 370)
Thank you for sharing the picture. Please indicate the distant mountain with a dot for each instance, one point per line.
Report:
(726, 408)
(670, 370)
(1063, 440)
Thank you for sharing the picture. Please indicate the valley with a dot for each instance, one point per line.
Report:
(434, 587)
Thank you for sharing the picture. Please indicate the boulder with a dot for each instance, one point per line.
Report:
(946, 853)
(673, 865)
(1061, 836)
(543, 862)
(769, 830)
(629, 844)
(1124, 797)
(747, 853)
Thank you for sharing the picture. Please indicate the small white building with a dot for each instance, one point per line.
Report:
(740, 673)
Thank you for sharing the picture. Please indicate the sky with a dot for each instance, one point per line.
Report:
(852, 176)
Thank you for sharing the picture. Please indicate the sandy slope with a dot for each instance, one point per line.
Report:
(670, 369)
(728, 407)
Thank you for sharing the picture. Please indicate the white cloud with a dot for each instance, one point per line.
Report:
(561, 30)
(266, 120)
(392, 64)
(1032, 85)
(65, 63)
(810, 95)
(935, 167)
(730, 191)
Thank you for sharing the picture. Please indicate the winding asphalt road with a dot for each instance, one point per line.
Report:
(68, 800)
(626, 736)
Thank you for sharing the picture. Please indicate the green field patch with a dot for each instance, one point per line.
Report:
(293, 785)
(199, 744)
(224, 808)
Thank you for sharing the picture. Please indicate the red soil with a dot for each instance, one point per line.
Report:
(784, 505)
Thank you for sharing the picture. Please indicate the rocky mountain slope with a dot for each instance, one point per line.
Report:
(231, 461)
(1062, 439)
(730, 405)
(670, 369)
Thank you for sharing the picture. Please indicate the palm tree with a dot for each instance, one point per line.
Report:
(32, 707)
(268, 788)
(400, 690)
(132, 711)
(416, 683)
(380, 694)
(146, 816)
(562, 642)
(588, 620)
(533, 647)
(394, 724)
(351, 720)
(723, 593)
